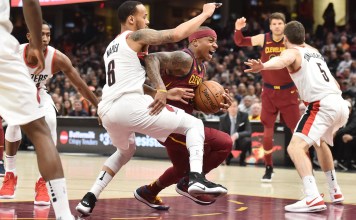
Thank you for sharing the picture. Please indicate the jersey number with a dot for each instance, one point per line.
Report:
(323, 72)
(111, 73)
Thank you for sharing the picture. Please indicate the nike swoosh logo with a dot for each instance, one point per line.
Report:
(168, 84)
(308, 203)
(203, 188)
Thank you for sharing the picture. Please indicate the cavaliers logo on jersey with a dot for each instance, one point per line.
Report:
(194, 80)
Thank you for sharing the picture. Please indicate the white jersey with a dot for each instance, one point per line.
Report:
(5, 23)
(124, 72)
(41, 79)
(313, 80)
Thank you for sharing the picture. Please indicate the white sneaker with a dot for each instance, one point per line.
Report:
(336, 195)
(308, 204)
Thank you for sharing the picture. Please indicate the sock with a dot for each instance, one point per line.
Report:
(58, 192)
(155, 187)
(310, 188)
(196, 158)
(331, 178)
(10, 163)
(101, 182)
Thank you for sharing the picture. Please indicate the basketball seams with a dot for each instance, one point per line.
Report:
(200, 92)
(204, 93)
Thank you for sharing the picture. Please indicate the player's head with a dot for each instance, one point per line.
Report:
(277, 21)
(46, 34)
(295, 33)
(203, 43)
(133, 14)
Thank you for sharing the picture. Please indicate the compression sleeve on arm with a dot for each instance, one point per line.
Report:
(240, 40)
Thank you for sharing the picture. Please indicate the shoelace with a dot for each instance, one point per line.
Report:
(8, 182)
(41, 187)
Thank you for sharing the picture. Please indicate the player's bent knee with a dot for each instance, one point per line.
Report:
(13, 134)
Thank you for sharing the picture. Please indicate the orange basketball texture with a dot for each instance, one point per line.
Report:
(208, 96)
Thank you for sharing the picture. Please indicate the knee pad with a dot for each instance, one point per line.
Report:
(120, 158)
(13, 133)
(51, 121)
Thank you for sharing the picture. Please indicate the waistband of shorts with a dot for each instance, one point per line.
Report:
(287, 86)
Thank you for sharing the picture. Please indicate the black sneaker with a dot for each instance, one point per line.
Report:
(2, 168)
(182, 188)
(199, 185)
(267, 178)
(87, 204)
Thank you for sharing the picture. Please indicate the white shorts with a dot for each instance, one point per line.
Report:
(18, 94)
(130, 114)
(322, 119)
(13, 132)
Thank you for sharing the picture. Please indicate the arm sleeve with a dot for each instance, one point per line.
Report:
(240, 40)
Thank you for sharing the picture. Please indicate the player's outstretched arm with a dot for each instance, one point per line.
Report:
(33, 17)
(153, 37)
(65, 65)
(241, 40)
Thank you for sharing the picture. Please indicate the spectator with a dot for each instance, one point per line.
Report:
(236, 124)
(246, 103)
(255, 112)
(78, 109)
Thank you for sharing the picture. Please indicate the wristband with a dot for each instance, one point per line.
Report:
(162, 90)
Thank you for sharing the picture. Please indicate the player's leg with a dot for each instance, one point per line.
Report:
(41, 192)
(2, 142)
(12, 142)
(268, 118)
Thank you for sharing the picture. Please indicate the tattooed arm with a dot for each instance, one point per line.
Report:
(152, 37)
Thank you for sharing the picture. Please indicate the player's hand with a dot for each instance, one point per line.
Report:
(40, 60)
(255, 66)
(158, 103)
(180, 94)
(346, 138)
(227, 103)
(209, 8)
(240, 23)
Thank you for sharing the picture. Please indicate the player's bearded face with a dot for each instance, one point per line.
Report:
(141, 17)
(206, 47)
(46, 36)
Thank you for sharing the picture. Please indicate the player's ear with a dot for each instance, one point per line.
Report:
(131, 19)
(28, 36)
(195, 42)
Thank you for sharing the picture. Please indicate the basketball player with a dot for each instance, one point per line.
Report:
(125, 109)
(322, 119)
(19, 101)
(279, 93)
(55, 61)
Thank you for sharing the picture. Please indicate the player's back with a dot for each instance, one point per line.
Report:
(124, 72)
(313, 80)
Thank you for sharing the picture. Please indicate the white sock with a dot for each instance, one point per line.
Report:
(101, 182)
(196, 158)
(58, 192)
(331, 178)
(310, 187)
(10, 163)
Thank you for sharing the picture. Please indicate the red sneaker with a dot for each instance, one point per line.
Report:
(42, 197)
(7, 190)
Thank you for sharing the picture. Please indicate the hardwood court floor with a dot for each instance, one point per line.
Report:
(248, 198)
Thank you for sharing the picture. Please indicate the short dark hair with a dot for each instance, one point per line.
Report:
(295, 32)
(43, 22)
(278, 16)
(126, 9)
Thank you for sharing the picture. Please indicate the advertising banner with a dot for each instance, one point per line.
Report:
(18, 3)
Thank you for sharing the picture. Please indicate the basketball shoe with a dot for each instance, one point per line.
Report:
(308, 204)
(2, 168)
(8, 188)
(336, 195)
(42, 197)
(87, 204)
(182, 188)
(199, 185)
(144, 195)
(267, 178)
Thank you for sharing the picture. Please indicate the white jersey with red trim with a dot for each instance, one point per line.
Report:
(124, 72)
(40, 80)
(313, 80)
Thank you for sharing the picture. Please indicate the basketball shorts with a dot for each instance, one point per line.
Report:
(13, 132)
(322, 119)
(130, 114)
(18, 94)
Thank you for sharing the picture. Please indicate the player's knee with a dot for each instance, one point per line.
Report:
(13, 134)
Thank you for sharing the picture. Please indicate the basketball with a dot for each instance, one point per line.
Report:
(208, 96)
